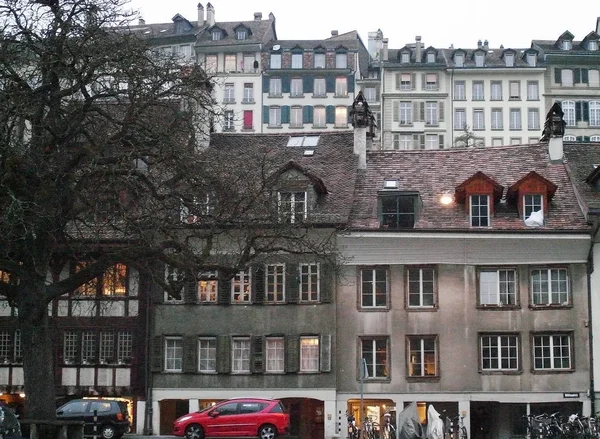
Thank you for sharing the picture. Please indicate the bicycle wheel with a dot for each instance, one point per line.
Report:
(462, 433)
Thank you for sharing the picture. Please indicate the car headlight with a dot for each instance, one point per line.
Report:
(184, 418)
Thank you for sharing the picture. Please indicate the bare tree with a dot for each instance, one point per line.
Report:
(468, 139)
(103, 161)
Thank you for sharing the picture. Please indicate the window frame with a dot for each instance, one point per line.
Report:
(416, 344)
(308, 279)
(548, 281)
(275, 283)
(372, 357)
(310, 354)
(373, 284)
(177, 348)
(275, 354)
(210, 355)
(460, 90)
(498, 353)
(409, 270)
(275, 61)
(241, 285)
(288, 204)
(207, 287)
(499, 304)
(275, 87)
(481, 215)
(240, 355)
(398, 213)
(551, 335)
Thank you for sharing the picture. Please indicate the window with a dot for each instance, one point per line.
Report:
(478, 94)
(594, 138)
(460, 91)
(275, 61)
(566, 44)
(515, 118)
(459, 60)
(515, 140)
(249, 61)
(296, 60)
(275, 87)
(248, 120)
(319, 117)
(566, 77)
(593, 78)
(241, 34)
(341, 60)
(552, 352)
(207, 287)
(341, 87)
(341, 117)
(241, 287)
(296, 88)
(550, 286)
(319, 89)
(514, 90)
(406, 81)
(296, 117)
(275, 355)
(460, 119)
(374, 287)
(532, 203)
(430, 57)
(398, 211)
(533, 91)
(173, 354)
(292, 206)
(211, 63)
(531, 59)
(422, 356)
(309, 282)
(274, 117)
(509, 59)
(124, 347)
(275, 283)
(228, 121)
(107, 348)
(403, 141)
(496, 90)
(497, 286)
(592, 45)
(207, 354)
(216, 34)
(479, 58)
(309, 354)
(248, 93)
(499, 352)
(370, 94)
(478, 119)
(406, 109)
(568, 108)
(230, 63)
(405, 58)
(480, 210)
(533, 119)
(432, 141)
(375, 355)
(229, 95)
(240, 355)
(594, 119)
(497, 141)
(70, 347)
(421, 287)
(88, 347)
(431, 81)
(431, 113)
(319, 60)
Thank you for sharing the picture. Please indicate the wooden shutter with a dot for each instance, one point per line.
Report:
(308, 83)
(307, 114)
(258, 283)
(585, 111)
(189, 291)
(441, 111)
(584, 76)
(156, 291)
(330, 114)
(224, 289)
(422, 141)
(416, 112)
(413, 81)
(437, 81)
(421, 111)
(398, 80)
(292, 354)
(223, 354)
(327, 279)
(325, 345)
(396, 111)
(157, 349)
(190, 344)
(441, 141)
(256, 355)
(576, 76)
(423, 81)
(578, 112)
(292, 282)
(330, 84)
(265, 114)
(285, 114)
(557, 75)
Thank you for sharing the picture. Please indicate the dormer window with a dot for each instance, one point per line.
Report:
(405, 58)
(459, 60)
(217, 35)
(509, 59)
(275, 61)
(430, 57)
(296, 60)
(292, 207)
(532, 193)
(341, 60)
(479, 57)
(531, 59)
(592, 45)
(241, 34)
(398, 210)
(480, 194)
(319, 60)
(533, 209)
(479, 210)
(566, 45)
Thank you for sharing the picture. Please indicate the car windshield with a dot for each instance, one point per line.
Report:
(9, 424)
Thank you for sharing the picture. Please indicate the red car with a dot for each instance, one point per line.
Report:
(249, 417)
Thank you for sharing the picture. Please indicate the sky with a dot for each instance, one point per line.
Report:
(440, 23)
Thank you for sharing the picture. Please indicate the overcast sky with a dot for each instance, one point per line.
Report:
(440, 23)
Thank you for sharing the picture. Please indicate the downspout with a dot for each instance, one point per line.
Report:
(590, 270)
(452, 108)
(148, 412)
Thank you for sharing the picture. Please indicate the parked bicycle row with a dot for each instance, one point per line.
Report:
(558, 426)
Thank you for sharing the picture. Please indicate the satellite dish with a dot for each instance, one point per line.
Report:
(276, 47)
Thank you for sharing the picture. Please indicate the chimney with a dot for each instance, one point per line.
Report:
(200, 15)
(257, 16)
(418, 49)
(334, 33)
(141, 22)
(210, 14)
(384, 56)
(479, 44)
(486, 45)
(554, 130)
(375, 43)
(598, 25)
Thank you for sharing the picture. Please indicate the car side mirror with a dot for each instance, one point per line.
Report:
(214, 414)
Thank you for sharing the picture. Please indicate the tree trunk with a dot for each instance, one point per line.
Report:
(38, 359)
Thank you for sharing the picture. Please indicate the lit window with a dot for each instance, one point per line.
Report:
(374, 287)
(173, 354)
(480, 210)
(422, 356)
(341, 87)
(499, 352)
(240, 355)
(241, 287)
(421, 287)
(207, 287)
(497, 287)
(309, 354)
(550, 286)
(341, 117)
(552, 352)
(207, 354)
(374, 354)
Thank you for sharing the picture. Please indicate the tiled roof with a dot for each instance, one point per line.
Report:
(261, 31)
(333, 163)
(581, 159)
(434, 172)
(349, 40)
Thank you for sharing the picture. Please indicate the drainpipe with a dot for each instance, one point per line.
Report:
(590, 270)
(148, 384)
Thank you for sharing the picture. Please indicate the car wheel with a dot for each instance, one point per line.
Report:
(267, 431)
(194, 431)
(108, 432)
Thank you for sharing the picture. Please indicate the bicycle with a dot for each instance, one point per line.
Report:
(388, 431)
(458, 424)
(353, 432)
(370, 429)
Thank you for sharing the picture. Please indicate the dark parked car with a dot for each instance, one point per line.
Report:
(104, 417)
(9, 424)
(240, 417)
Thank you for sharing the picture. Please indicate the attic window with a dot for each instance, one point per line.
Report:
(509, 59)
(531, 59)
(459, 60)
(405, 59)
(430, 57)
(390, 184)
(479, 60)
(398, 210)
(307, 141)
(566, 44)
(592, 45)
(309, 152)
(241, 34)
(216, 34)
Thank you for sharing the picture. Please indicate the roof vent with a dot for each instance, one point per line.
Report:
(309, 152)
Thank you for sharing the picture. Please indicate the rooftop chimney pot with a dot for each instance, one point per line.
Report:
(334, 33)
(258, 16)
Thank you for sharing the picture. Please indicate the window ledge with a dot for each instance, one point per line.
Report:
(546, 307)
(421, 308)
(498, 307)
(422, 379)
(501, 372)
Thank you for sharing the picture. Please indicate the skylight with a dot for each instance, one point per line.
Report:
(308, 141)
